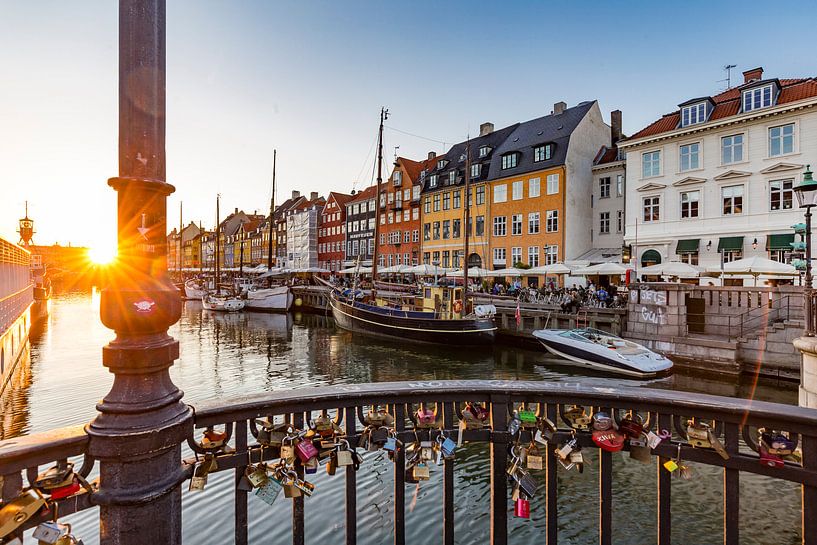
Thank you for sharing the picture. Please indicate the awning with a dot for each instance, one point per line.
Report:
(730, 244)
(688, 246)
(779, 242)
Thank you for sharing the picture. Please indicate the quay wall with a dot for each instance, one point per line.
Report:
(16, 298)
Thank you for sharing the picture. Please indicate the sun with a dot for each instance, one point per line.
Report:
(101, 255)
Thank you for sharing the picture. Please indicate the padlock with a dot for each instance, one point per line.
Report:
(514, 425)
(64, 491)
(522, 508)
(379, 436)
(426, 450)
(199, 479)
(55, 476)
(257, 475)
(769, 459)
(777, 443)
(577, 417)
(311, 466)
(48, 532)
(390, 444)
(332, 464)
(576, 457)
(288, 450)
(304, 486)
(671, 465)
(292, 491)
(602, 421)
(527, 484)
(698, 434)
(425, 418)
(640, 453)
(563, 452)
(213, 438)
(610, 440)
(534, 460)
(447, 446)
(323, 425)
(632, 426)
(69, 539)
(421, 472)
(653, 440)
(344, 456)
(527, 418)
(16, 512)
(305, 450)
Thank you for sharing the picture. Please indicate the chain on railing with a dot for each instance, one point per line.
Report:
(273, 442)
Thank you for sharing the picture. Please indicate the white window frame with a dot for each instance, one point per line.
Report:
(552, 221)
(604, 223)
(552, 184)
(516, 224)
(533, 256)
(500, 193)
(605, 184)
(619, 185)
(500, 226)
(653, 205)
(542, 153)
(534, 223)
(654, 161)
(689, 152)
(732, 200)
(619, 221)
(551, 254)
(687, 194)
(475, 169)
(757, 98)
(517, 190)
(516, 255)
(510, 160)
(693, 114)
(732, 147)
(483, 151)
(782, 191)
(500, 256)
(534, 188)
(782, 138)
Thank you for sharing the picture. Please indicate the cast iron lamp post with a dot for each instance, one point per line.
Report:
(806, 193)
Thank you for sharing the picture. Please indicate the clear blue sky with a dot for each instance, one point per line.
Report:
(308, 78)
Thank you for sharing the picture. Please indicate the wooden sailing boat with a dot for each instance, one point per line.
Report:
(216, 300)
(436, 315)
(270, 298)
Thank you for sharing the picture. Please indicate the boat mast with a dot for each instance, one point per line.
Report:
(384, 115)
(467, 221)
(181, 227)
(201, 249)
(271, 213)
(218, 250)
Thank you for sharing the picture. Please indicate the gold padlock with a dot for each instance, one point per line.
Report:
(698, 434)
(421, 472)
(14, 513)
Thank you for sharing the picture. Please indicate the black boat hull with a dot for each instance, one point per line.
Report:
(465, 332)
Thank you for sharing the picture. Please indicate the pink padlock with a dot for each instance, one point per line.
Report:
(425, 416)
(305, 451)
(522, 508)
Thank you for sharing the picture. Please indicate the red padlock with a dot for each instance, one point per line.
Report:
(630, 427)
(425, 416)
(609, 440)
(65, 491)
(771, 460)
(522, 508)
(305, 451)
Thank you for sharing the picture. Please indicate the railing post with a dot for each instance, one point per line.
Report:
(809, 493)
(142, 421)
(499, 463)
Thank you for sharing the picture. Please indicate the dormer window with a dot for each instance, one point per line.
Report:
(452, 176)
(432, 181)
(462, 158)
(542, 153)
(693, 114)
(510, 160)
(441, 164)
(759, 97)
(484, 150)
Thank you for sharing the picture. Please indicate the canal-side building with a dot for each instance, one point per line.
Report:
(607, 200)
(399, 232)
(443, 208)
(540, 184)
(711, 181)
(259, 242)
(332, 232)
(17, 296)
(280, 219)
(303, 222)
(189, 233)
(360, 218)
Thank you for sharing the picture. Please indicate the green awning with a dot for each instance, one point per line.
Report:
(730, 244)
(688, 246)
(779, 242)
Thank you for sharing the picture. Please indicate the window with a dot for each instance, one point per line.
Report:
(441, 163)
(446, 229)
(500, 227)
(452, 177)
(619, 185)
(446, 258)
(690, 154)
(689, 204)
(475, 169)
(480, 230)
(552, 221)
(781, 140)
(604, 223)
(516, 224)
(732, 197)
(484, 150)
(391, 217)
(551, 255)
(690, 258)
(406, 215)
(500, 193)
(426, 258)
(415, 193)
(415, 214)
(690, 115)
(457, 228)
(406, 236)
(732, 149)
(651, 164)
(533, 188)
(499, 256)
(397, 177)
(517, 190)
(533, 223)
(651, 208)
(457, 197)
(604, 188)
(552, 184)
(406, 194)
(432, 180)
(533, 256)
(426, 231)
(780, 195)
(781, 256)
(542, 153)
(382, 219)
(446, 200)
(480, 195)
(760, 97)
(355, 247)
(426, 205)
(436, 230)
(619, 221)
(437, 202)
(415, 235)
(371, 224)
(516, 255)
(383, 238)
(390, 198)
(509, 160)
(732, 255)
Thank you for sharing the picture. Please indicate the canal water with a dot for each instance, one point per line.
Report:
(226, 355)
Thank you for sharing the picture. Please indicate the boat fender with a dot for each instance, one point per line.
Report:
(457, 306)
(485, 311)
(298, 302)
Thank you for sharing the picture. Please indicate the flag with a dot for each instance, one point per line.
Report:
(518, 315)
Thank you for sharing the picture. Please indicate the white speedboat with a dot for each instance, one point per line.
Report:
(221, 302)
(194, 289)
(274, 299)
(603, 351)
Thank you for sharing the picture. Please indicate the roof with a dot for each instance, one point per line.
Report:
(366, 194)
(280, 210)
(340, 198)
(553, 128)
(727, 104)
(607, 154)
(414, 168)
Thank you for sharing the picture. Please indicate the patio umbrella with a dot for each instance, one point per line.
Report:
(353, 270)
(556, 268)
(473, 272)
(673, 268)
(510, 271)
(428, 270)
(757, 265)
(610, 269)
(395, 269)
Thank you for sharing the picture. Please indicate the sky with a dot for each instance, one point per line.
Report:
(308, 78)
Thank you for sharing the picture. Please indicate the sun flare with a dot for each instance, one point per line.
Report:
(100, 255)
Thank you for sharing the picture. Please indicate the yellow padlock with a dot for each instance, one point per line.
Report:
(14, 513)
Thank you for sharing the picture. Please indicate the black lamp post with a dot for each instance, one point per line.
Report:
(806, 193)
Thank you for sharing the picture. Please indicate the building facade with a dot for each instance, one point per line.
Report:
(360, 218)
(280, 218)
(607, 202)
(399, 233)
(332, 232)
(303, 222)
(712, 181)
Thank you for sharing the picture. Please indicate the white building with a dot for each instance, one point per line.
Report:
(607, 200)
(302, 224)
(713, 180)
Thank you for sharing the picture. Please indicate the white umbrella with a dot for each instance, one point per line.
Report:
(510, 271)
(755, 266)
(609, 269)
(398, 269)
(473, 272)
(354, 270)
(673, 268)
(556, 268)
(428, 270)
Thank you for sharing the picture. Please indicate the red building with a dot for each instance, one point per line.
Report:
(332, 232)
(399, 242)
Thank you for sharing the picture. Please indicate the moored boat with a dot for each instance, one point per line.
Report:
(603, 351)
(222, 302)
(272, 299)
(194, 289)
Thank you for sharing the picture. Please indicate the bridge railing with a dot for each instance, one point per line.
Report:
(665, 413)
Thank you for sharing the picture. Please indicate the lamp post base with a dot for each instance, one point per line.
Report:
(808, 371)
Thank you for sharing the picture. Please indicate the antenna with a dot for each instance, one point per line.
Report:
(395, 152)
(728, 68)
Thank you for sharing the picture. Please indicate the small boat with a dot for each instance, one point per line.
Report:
(222, 302)
(194, 289)
(603, 351)
(272, 299)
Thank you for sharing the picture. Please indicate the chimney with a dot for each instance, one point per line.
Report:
(236, 210)
(754, 74)
(313, 196)
(295, 194)
(486, 128)
(559, 107)
(432, 155)
(615, 126)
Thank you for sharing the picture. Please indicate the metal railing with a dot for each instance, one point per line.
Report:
(737, 326)
(664, 413)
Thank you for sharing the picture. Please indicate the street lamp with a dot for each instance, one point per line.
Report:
(806, 193)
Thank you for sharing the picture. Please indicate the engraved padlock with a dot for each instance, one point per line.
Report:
(425, 417)
(577, 417)
(48, 532)
(527, 418)
(305, 450)
(269, 490)
(521, 508)
(602, 421)
(632, 426)
(16, 512)
(698, 434)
